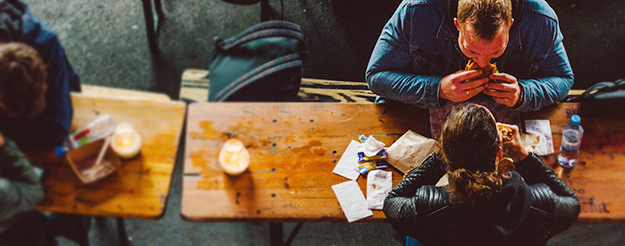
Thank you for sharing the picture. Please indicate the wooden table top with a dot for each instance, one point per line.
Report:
(598, 178)
(295, 146)
(139, 189)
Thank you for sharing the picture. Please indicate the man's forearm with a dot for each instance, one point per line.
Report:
(422, 91)
(552, 81)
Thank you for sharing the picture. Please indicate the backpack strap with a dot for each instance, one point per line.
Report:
(451, 11)
(269, 25)
(260, 35)
(263, 30)
(11, 13)
(603, 87)
(280, 63)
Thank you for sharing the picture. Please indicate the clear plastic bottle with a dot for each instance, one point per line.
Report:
(97, 129)
(571, 140)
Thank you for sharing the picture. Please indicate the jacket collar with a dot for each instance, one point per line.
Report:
(445, 34)
(447, 30)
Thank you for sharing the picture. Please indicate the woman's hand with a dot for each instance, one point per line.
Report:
(514, 149)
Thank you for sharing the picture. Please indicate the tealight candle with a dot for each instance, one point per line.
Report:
(126, 141)
(234, 158)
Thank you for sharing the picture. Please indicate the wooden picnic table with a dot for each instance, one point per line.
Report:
(139, 189)
(294, 148)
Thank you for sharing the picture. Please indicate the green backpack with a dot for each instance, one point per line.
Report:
(263, 63)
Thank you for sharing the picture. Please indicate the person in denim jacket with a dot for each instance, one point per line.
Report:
(421, 54)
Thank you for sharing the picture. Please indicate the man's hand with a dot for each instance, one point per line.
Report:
(514, 149)
(462, 85)
(504, 88)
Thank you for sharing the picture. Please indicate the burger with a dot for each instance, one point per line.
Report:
(491, 68)
(507, 133)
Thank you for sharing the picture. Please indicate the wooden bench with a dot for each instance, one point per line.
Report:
(195, 85)
(96, 90)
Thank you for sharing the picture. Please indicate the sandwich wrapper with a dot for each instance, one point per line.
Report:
(410, 150)
(379, 184)
(352, 200)
(542, 128)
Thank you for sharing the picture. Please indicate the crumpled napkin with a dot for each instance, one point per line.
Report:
(379, 184)
(372, 146)
(352, 200)
(543, 129)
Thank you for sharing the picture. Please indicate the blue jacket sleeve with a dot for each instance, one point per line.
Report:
(553, 81)
(387, 73)
(51, 127)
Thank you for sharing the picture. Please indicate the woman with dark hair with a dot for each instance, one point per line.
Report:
(487, 202)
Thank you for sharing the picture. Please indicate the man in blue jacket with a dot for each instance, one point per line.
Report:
(421, 54)
(51, 126)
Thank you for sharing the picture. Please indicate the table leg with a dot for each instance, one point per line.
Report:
(293, 234)
(121, 233)
(159, 8)
(150, 26)
(265, 10)
(275, 234)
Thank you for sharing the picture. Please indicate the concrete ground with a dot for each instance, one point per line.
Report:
(106, 43)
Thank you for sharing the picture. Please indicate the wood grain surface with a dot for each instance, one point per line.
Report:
(293, 149)
(598, 179)
(139, 189)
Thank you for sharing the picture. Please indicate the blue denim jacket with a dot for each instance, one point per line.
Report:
(417, 49)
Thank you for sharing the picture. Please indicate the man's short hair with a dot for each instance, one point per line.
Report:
(485, 16)
(22, 81)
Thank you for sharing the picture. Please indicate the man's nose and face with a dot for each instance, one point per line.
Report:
(478, 49)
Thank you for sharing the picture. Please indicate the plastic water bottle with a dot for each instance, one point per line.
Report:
(571, 140)
(97, 129)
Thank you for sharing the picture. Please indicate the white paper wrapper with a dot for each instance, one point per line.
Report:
(410, 150)
(543, 129)
(348, 163)
(352, 200)
(379, 184)
(372, 146)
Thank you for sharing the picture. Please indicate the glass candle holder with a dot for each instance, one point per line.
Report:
(234, 158)
(126, 141)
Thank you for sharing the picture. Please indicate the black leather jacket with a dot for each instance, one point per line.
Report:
(528, 210)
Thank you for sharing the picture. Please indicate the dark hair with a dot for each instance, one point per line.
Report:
(22, 81)
(486, 16)
(469, 146)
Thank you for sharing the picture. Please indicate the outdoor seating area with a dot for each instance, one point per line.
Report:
(149, 65)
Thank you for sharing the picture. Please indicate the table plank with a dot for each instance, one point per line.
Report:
(139, 189)
(293, 149)
(598, 179)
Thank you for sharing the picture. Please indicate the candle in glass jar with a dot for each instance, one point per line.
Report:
(234, 158)
(126, 141)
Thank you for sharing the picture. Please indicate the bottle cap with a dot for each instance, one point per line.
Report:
(59, 151)
(575, 120)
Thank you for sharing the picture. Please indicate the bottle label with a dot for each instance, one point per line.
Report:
(571, 140)
(571, 147)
